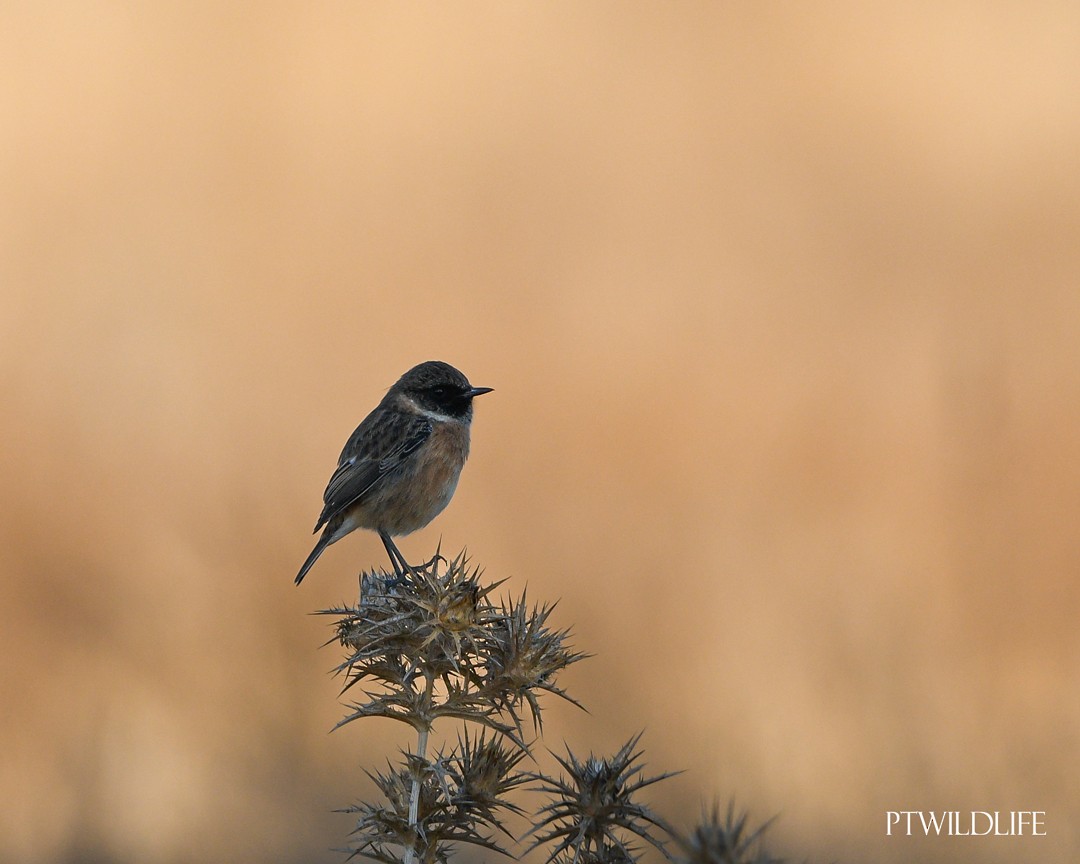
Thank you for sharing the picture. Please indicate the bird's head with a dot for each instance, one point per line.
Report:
(438, 388)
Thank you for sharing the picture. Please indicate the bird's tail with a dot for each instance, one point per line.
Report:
(324, 541)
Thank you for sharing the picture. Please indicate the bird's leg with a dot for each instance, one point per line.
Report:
(397, 560)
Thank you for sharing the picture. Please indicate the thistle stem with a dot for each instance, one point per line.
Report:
(421, 752)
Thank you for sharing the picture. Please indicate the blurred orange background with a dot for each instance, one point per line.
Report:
(781, 305)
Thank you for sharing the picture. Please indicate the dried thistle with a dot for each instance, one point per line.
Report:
(593, 808)
(726, 842)
(523, 658)
(429, 620)
(389, 832)
(432, 643)
(483, 771)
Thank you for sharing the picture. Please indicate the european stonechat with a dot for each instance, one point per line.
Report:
(400, 468)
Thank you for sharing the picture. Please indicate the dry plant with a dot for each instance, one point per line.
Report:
(432, 643)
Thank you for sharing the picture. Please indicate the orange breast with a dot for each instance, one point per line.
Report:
(421, 489)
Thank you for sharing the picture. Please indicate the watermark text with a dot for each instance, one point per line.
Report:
(973, 823)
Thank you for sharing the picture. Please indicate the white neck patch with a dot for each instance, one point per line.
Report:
(433, 415)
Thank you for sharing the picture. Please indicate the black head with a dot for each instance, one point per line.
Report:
(439, 387)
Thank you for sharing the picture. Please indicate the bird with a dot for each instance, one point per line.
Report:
(400, 467)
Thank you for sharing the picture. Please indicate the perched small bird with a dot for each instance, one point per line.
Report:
(400, 468)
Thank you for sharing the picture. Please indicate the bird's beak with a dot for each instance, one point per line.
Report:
(477, 391)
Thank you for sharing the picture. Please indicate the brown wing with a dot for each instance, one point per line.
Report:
(378, 446)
